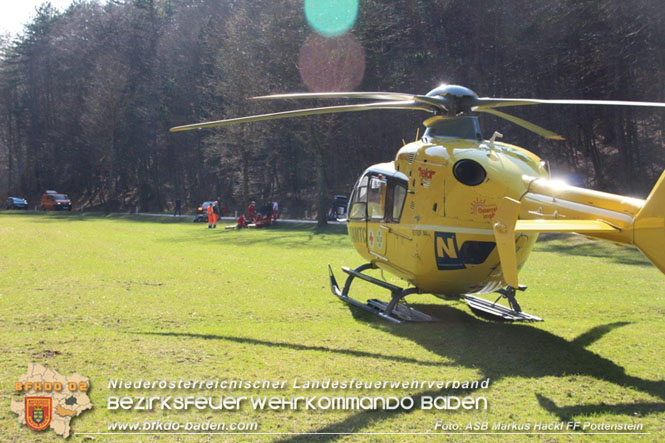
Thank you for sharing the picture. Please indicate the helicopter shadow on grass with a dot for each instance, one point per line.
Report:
(503, 350)
(569, 244)
(297, 347)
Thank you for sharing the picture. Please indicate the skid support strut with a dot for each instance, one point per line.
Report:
(393, 311)
(495, 311)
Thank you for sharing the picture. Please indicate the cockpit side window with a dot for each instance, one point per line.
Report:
(358, 203)
(399, 195)
(376, 198)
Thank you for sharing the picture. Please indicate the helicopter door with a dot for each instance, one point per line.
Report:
(376, 212)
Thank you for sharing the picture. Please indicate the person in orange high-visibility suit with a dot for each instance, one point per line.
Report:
(210, 212)
(215, 214)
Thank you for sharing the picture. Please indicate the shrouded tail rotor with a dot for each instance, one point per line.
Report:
(649, 226)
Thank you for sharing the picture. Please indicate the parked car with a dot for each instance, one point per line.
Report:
(201, 214)
(53, 201)
(338, 208)
(16, 203)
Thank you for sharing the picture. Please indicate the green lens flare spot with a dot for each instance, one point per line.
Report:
(331, 18)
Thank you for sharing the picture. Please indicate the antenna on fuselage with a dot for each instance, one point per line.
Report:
(496, 135)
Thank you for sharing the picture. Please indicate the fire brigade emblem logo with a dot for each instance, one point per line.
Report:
(46, 399)
(38, 412)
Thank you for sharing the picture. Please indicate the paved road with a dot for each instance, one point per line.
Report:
(190, 217)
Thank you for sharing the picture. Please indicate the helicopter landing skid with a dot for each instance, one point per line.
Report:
(393, 311)
(495, 311)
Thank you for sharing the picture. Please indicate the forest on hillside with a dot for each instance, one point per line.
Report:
(87, 96)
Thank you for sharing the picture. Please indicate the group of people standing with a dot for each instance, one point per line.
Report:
(269, 210)
(264, 217)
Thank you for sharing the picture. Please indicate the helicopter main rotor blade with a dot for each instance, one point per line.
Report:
(488, 102)
(392, 96)
(438, 102)
(523, 123)
(412, 105)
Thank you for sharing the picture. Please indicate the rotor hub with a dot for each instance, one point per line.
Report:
(452, 91)
(458, 99)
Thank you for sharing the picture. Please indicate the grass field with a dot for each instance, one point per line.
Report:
(152, 299)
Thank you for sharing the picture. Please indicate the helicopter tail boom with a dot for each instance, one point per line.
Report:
(549, 206)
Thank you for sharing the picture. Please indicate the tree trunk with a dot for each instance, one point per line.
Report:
(245, 181)
(322, 201)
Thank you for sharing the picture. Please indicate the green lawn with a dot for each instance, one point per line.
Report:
(140, 298)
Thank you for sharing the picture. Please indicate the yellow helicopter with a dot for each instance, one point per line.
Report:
(455, 214)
